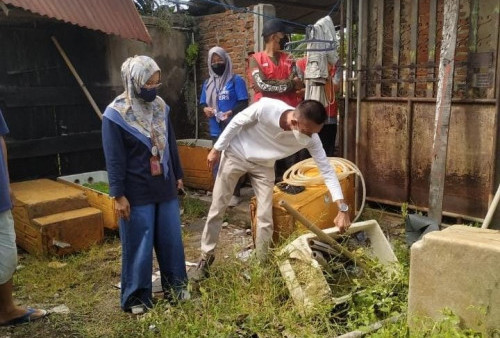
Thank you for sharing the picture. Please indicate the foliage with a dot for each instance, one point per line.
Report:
(192, 52)
(162, 13)
(146, 7)
(404, 210)
(193, 207)
(189, 89)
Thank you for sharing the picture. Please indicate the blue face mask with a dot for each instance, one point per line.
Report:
(147, 95)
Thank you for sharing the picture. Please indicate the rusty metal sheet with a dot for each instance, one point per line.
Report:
(397, 170)
(468, 165)
(384, 139)
(118, 17)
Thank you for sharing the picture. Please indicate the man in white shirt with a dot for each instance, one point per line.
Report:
(251, 143)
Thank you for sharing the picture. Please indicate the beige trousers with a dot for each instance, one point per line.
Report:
(231, 168)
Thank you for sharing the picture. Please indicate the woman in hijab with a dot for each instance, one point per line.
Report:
(144, 174)
(224, 94)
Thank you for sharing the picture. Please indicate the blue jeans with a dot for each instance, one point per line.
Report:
(158, 226)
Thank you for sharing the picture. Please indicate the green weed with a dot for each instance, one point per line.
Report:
(194, 208)
(99, 186)
(240, 299)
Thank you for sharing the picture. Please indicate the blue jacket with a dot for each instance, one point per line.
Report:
(127, 154)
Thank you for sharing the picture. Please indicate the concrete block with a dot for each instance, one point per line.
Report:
(456, 268)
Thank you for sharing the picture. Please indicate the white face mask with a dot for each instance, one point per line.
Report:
(303, 139)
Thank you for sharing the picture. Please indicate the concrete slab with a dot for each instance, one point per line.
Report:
(456, 268)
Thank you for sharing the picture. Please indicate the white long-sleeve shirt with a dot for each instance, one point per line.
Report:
(255, 135)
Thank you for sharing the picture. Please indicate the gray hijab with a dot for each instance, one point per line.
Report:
(215, 83)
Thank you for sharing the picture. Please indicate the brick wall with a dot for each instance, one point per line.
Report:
(230, 30)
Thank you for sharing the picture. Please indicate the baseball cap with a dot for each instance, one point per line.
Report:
(275, 25)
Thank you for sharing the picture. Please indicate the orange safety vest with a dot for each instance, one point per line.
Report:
(271, 71)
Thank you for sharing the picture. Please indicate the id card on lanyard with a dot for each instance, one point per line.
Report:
(154, 161)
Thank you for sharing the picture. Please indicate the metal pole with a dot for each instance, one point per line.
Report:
(358, 90)
(359, 60)
(491, 210)
(195, 95)
(348, 68)
(496, 139)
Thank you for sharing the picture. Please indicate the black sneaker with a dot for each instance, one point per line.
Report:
(201, 272)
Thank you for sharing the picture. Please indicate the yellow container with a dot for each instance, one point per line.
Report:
(193, 154)
(315, 203)
(97, 199)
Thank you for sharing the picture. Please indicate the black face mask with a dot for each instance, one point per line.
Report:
(148, 95)
(283, 42)
(218, 68)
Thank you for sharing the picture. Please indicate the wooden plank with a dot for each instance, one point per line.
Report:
(77, 77)
(396, 40)
(431, 46)
(98, 200)
(67, 232)
(54, 145)
(443, 110)
(380, 44)
(413, 47)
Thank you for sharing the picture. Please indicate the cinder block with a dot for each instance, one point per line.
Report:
(457, 268)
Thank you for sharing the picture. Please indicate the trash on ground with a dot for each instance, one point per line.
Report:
(244, 255)
(61, 309)
(56, 265)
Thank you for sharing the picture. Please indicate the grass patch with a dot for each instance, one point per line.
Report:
(99, 186)
(194, 208)
(240, 299)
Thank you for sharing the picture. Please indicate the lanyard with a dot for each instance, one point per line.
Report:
(154, 141)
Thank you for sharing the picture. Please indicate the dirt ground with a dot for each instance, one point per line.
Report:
(236, 236)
